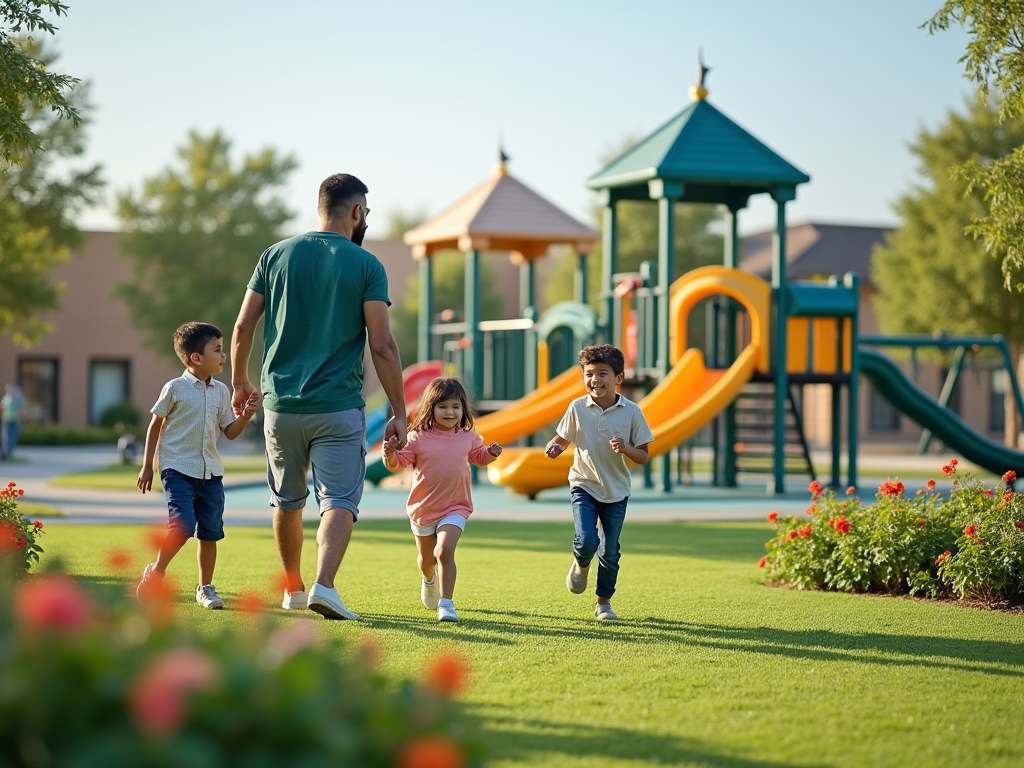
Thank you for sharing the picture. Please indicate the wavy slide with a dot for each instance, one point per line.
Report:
(905, 396)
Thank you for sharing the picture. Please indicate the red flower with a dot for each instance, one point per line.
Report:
(805, 531)
(55, 602)
(930, 486)
(970, 530)
(1010, 476)
(842, 525)
(118, 559)
(978, 540)
(892, 488)
(447, 673)
(921, 522)
(920, 492)
(1007, 497)
(38, 524)
(157, 697)
(250, 602)
(432, 752)
(949, 469)
(942, 558)
(988, 492)
(156, 535)
(773, 515)
(791, 535)
(762, 562)
(814, 488)
(810, 510)
(1020, 524)
(850, 491)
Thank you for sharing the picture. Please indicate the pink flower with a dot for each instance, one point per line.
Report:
(53, 602)
(157, 697)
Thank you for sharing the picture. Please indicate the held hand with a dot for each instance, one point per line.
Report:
(396, 429)
(241, 395)
(494, 449)
(554, 450)
(390, 447)
(145, 481)
(252, 404)
(618, 445)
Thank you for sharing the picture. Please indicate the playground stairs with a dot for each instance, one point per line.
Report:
(755, 418)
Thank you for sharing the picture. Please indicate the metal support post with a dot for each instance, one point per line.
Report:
(580, 279)
(609, 248)
(473, 372)
(781, 376)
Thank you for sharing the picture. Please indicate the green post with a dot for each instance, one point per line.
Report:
(782, 195)
(426, 309)
(580, 279)
(837, 429)
(728, 441)
(526, 287)
(609, 252)
(473, 357)
(851, 281)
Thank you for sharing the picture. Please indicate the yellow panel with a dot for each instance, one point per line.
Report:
(796, 345)
(825, 345)
(543, 364)
(848, 344)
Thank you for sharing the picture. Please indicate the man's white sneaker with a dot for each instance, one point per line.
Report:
(604, 612)
(430, 594)
(294, 601)
(446, 611)
(206, 596)
(576, 581)
(328, 603)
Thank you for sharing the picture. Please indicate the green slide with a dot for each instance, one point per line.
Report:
(905, 396)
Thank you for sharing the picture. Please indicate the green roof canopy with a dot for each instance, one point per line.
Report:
(716, 161)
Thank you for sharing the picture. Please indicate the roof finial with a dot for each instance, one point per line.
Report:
(502, 167)
(697, 91)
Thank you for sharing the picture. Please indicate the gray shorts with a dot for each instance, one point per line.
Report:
(334, 443)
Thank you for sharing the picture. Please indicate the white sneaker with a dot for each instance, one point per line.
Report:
(294, 601)
(206, 596)
(446, 611)
(430, 594)
(328, 604)
(576, 581)
(604, 612)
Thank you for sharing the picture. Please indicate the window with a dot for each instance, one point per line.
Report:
(108, 385)
(884, 418)
(38, 378)
(996, 398)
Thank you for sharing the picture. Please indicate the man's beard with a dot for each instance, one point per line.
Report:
(360, 231)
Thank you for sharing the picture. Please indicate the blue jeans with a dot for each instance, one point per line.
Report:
(9, 438)
(195, 507)
(586, 513)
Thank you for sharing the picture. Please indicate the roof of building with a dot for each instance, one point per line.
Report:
(501, 214)
(700, 144)
(814, 249)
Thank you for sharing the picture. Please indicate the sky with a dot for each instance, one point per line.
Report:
(413, 97)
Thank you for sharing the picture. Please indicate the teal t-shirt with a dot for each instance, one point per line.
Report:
(314, 330)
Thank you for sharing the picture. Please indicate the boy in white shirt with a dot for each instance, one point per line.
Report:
(606, 429)
(187, 420)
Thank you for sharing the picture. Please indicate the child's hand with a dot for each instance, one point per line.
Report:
(391, 447)
(252, 405)
(145, 481)
(494, 449)
(554, 450)
(618, 445)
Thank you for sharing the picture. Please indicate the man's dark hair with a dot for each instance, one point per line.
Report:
(338, 192)
(193, 337)
(603, 353)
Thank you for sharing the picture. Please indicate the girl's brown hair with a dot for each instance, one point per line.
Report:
(440, 389)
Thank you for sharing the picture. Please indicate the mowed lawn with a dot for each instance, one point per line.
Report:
(707, 667)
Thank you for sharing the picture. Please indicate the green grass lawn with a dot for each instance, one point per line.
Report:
(707, 668)
(32, 510)
(123, 476)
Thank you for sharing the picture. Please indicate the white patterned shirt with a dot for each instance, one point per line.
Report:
(196, 412)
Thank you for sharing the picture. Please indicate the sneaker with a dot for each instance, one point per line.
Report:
(206, 596)
(294, 601)
(604, 612)
(430, 594)
(446, 611)
(149, 575)
(328, 603)
(576, 581)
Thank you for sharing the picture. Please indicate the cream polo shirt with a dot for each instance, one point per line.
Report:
(196, 412)
(596, 468)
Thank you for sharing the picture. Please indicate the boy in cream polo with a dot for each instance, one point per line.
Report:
(606, 429)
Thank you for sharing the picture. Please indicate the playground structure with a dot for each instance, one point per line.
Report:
(765, 340)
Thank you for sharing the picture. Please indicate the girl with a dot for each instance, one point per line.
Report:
(442, 445)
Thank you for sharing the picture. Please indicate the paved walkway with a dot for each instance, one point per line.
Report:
(248, 497)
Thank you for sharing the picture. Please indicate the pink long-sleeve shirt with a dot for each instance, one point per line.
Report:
(440, 478)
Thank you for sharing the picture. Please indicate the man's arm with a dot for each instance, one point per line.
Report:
(241, 348)
(388, 364)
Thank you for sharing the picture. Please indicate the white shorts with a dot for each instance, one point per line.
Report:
(429, 530)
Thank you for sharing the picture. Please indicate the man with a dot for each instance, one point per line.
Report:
(323, 296)
(13, 407)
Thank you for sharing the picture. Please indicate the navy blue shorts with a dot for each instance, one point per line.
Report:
(195, 507)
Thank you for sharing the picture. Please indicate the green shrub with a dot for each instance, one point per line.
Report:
(18, 545)
(120, 416)
(968, 541)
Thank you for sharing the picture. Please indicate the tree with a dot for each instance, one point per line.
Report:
(38, 205)
(26, 85)
(194, 233)
(930, 274)
(994, 60)
(400, 221)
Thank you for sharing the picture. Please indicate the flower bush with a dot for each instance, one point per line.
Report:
(90, 678)
(967, 541)
(18, 536)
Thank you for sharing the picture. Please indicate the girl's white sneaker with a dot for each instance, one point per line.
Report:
(430, 594)
(446, 611)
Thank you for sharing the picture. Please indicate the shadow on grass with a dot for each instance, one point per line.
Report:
(547, 740)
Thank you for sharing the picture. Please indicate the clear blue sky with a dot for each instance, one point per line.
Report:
(412, 96)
